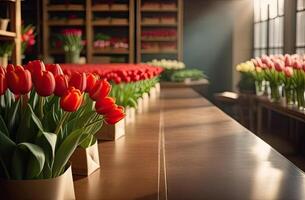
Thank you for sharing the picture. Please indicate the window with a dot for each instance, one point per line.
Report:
(300, 33)
(268, 27)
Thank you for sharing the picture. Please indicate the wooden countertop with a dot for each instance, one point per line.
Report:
(186, 148)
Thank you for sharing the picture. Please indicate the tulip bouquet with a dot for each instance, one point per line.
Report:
(27, 37)
(282, 70)
(184, 74)
(45, 115)
(169, 66)
(72, 44)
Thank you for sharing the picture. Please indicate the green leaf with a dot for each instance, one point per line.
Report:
(35, 118)
(65, 151)
(7, 147)
(48, 140)
(36, 160)
(3, 127)
(13, 116)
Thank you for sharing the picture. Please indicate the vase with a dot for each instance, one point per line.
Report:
(85, 161)
(259, 88)
(275, 93)
(57, 188)
(4, 60)
(289, 95)
(111, 132)
(130, 115)
(145, 98)
(72, 57)
(3, 24)
(300, 98)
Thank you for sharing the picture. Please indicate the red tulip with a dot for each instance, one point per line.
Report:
(288, 60)
(36, 67)
(100, 90)
(3, 84)
(105, 105)
(91, 80)
(19, 79)
(55, 69)
(45, 84)
(297, 64)
(61, 85)
(71, 100)
(115, 115)
(279, 66)
(78, 80)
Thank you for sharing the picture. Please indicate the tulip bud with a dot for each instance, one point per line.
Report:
(288, 72)
(91, 80)
(115, 115)
(100, 90)
(71, 100)
(36, 67)
(105, 105)
(297, 64)
(19, 80)
(288, 60)
(55, 69)
(61, 85)
(45, 84)
(279, 66)
(3, 84)
(78, 80)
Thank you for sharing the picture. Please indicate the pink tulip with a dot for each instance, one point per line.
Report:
(288, 72)
(279, 66)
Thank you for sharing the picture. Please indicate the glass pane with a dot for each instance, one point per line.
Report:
(281, 7)
(300, 4)
(257, 53)
(272, 32)
(263, 34)
(256, 10)
(300, 29)
(264, 10)
(263, 52)
(281, 32)
(257, 35)
(273, 8)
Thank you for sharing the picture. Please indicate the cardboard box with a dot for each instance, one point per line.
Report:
(112, 132)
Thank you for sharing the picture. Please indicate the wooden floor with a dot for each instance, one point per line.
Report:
(186, 148)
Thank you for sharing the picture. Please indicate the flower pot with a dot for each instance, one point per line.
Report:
(130, 115)
(259, 88)
(112, 132)
(57, 188)
(275, 93)
(4, 60)
(140, 105)
(158, 88)
(3, 24)
(72, 57)
(300, 98)
(85, 161)
(145, 98)
(153, 94)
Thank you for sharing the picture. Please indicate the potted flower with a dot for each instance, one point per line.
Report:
(5, 51)
(72, 44)
(3, 23)
(44, 118)
(27, 37)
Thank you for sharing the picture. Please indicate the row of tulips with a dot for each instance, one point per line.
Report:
(46, 114)
(278, 75)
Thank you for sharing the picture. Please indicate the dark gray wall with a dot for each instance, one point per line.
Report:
(208, 29)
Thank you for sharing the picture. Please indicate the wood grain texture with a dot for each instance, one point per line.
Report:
(186, 148)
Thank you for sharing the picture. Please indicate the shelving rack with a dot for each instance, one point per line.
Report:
(14, 32)
(88, 22)
(155, 12)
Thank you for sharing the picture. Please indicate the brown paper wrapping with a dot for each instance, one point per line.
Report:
(158, 89)
(58, 188)
(112, 132)
(140, 105)
(153, 94)
(130, 115)
(145, 98)
(85, 161)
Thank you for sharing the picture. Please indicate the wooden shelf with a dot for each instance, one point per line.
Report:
(110, 51)
(159, 24)
(107, 8)
(147, 51)
(59, 22)
(159, 10)
(159, 39)
(109, 23)
(10, 35)
(68, 7)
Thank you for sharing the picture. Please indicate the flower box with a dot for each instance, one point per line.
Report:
(168, 20)
(150, 20)
(3, 24)
(112, 132)
(119, 21)
(130, 115)
(85, 161)
(57, 188)
(168, 6)
(119, 6)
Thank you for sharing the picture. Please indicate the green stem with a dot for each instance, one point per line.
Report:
(41, 104)
(61, 122)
